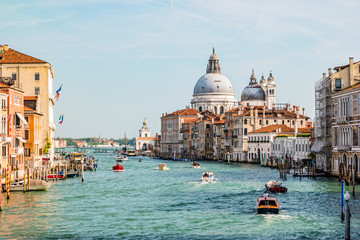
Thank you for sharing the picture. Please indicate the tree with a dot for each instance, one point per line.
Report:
(48, 145)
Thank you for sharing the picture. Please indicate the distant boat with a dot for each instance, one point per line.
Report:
(118, 168)
(162, 166)
(131, 153)
(207, 177)
(195, 165)
(275, 187)
(121, 158)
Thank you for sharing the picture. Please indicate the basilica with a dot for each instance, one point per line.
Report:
(214, 91)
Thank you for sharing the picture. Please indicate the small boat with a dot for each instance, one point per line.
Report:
(195, 165)
(118, 168)
(266, 204)
(131, 153)
(71, 175)
(275, 187)
(35, 185)
(59, 176)
(207, 177)
(162, 166)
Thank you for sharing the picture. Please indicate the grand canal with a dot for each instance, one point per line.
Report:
(145, 203)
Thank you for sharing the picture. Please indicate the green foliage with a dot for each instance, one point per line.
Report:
(48, 145)
(304, 135)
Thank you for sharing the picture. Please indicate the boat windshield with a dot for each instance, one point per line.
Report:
(267, 202)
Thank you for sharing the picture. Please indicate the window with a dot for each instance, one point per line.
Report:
(14, 76)
(17, 121)
(3, 104)
(4, 151)
(27, 134)
(283, 122)
(200, 109)
(267, 122)
(37, 92)
(221, 110)
(27, 152)
(37, 76)
(245, 131)
(337, 83)
(301, 122)
(245, 121)
(27, 119)
(260, 121)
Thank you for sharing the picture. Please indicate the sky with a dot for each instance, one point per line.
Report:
(121, 61)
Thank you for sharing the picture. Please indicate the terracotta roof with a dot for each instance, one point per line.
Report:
(183, 112)
(4, 85)
(233, 110)
(222, 121)
(344, 66)
(13, 56)
(349, 88)
(274, 128)
(190, 120)
(145, 138)
(30, 97)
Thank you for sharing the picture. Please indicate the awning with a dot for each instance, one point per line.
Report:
(22, 118)
(21, 139)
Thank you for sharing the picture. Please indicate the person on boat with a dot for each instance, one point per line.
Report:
(265, 194)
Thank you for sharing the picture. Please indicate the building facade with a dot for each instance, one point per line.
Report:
(144, 141)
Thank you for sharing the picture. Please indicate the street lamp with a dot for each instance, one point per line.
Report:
(347, 215)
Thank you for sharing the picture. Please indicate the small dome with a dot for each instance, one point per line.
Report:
(270, 78)
(213, 57)
(213, 83)
(253, 92)
(262, 81)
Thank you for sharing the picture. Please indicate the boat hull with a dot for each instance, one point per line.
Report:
(268, 211)
(277, 189)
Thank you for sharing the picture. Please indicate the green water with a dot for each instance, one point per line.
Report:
(145, 203)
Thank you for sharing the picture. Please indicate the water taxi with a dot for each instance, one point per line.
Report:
(266, 204)
(162, 166)
(207, 177)
(131, 153)
(121, 158)
(195, 165)
(275, 187)
(118, 168)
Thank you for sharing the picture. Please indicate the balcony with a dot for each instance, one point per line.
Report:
(343, 148)
(343, 119)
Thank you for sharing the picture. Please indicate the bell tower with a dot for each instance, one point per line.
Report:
(270, 91)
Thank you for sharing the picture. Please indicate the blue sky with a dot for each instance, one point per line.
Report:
(122, 61)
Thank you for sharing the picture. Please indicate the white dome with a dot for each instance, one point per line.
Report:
(213, 83)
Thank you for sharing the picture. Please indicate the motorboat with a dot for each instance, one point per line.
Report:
(162, 166)
(131, 153)
(267, 204)
(275, 187)
(195, 165)
(35, 185)
(58, 176)
(121, 158)
(118, 168)
(207, 177)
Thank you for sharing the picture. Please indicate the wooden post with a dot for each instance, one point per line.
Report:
(354, 180)
(342, 199)
(8, 181)
(28, 175)
(24, 185)
(82, 171)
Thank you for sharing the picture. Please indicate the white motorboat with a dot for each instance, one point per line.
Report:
(121, 158)
(195, 165)
(207, 177)
(35, 185)
(162, 166)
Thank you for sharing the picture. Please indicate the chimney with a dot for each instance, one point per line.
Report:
(329, 72)
(6, 47)
(297, 111)
(324, 75)
(303, 111)
(351, 71)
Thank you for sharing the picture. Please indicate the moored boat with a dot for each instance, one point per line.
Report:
(207, 177)
(35, 185)
(58, 176)
(266, 204)
(195, 165)
(162, 166)
(275, 187)
(118, 168)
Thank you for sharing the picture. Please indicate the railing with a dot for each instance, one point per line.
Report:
(343, 119)
(343, 148)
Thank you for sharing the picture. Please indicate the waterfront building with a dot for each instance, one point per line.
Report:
(213, 91)
(171, 140)
(60, 143)
(4, 133)
(249, 119)
(345, 119)
(185, 137)
(219, 138)
(16, 126)
(157, 145)
(34, 77)
(32, 115)
(85, 144)
(144, 140)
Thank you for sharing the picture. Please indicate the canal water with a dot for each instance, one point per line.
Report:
(145, 203)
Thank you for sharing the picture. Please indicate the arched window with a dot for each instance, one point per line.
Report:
(293, 122)
(215, 110)
(245, 131)
(221, 110)
(301, 122)
(245, 121)
(200, 109)
(260, 121)
(283, 122)
(267, 122)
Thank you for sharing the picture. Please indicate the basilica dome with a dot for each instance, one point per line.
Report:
(213, 83)
(253, 92)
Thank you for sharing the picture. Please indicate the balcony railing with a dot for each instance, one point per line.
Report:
(343, 119)
(343, 148)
